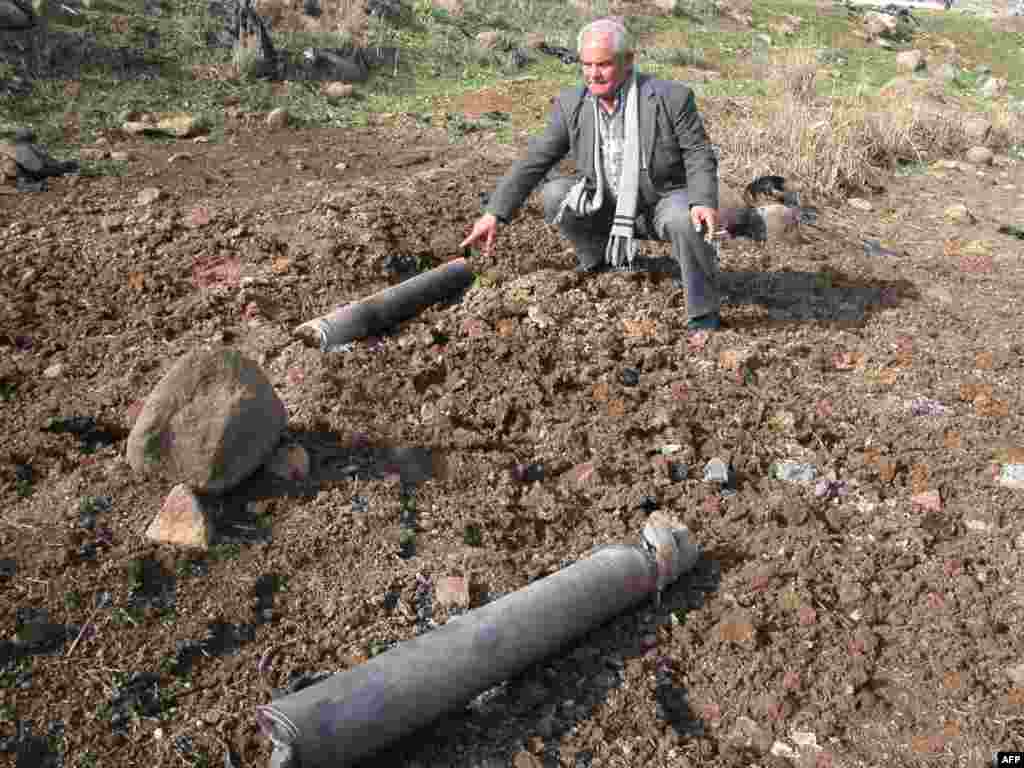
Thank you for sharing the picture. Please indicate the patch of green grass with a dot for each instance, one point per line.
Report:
(228, 550)
(87, 760)
(7, 713)
(376, 647)
(978, 41)
(73, 599)
(152, 448)
(135, 572)
(7, 389)
(472, 535)
(125, 617)
(9, 676)
(406, 537)
(23, 487)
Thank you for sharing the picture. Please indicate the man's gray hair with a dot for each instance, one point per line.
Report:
(622, 41)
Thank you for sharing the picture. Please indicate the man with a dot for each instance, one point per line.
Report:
(644, 165)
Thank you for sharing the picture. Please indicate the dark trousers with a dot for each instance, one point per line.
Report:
(670, 222)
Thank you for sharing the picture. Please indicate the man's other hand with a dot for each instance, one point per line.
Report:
(702, 214)
(485, 228)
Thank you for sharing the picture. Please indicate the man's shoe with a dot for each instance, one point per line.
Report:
(709, 322)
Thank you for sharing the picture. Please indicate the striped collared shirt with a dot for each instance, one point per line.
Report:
(612, 127)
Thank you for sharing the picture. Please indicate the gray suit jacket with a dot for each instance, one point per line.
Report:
(672, 138)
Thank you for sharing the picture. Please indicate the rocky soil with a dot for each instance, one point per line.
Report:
(857, 606)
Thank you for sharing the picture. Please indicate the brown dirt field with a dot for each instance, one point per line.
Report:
(863, 630)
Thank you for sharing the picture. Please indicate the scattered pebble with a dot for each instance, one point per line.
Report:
(716, 471)
(1012, 476)
(794, 472)
(830, 489)
(149, 195)
(278, 118)
(924, 406)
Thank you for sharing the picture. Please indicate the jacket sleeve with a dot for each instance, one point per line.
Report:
(545, 151)
(698, 156)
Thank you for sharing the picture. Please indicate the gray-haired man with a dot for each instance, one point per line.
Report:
(643, 163)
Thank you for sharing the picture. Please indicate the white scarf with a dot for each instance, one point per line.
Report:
(621, 248)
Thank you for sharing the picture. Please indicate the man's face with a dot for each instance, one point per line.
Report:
(603, 70)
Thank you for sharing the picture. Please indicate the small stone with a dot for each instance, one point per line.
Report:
(136, 127)
(980, 156)
(716, 471)
(910, 61)
(794, 472)
(452, 592)
(929, 501)
(54, 371)
(290, 462)
(1012, 476)
(181, 521)
(1016, 674)
(149, 195)
(958, 213)
(278, 119)
(781, 749)
(182, 125)
(735, 359)
(337, 91)
(749, 734)
(981, 520)
(488, 39)
(583, 475)
(630, 377)
(860, 204)
(198, 217)
(121, 157)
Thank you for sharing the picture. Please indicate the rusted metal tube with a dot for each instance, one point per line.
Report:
(385, 309)
(358, 712)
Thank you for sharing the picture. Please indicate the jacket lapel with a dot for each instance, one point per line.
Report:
(648, 117)
(585, 140)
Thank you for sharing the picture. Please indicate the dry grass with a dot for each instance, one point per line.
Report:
(797, 70)
(347, 17)
(843, 144)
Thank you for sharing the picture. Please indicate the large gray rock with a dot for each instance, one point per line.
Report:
(209, 423)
